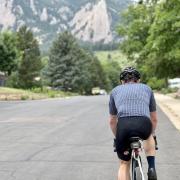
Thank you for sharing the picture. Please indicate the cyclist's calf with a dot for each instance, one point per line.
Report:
(124, 170)
(149, 146)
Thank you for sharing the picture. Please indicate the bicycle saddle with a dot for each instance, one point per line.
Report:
(134, 142)
(134, 139)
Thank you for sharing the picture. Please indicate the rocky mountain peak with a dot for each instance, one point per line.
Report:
(88, 20)
(95, 25)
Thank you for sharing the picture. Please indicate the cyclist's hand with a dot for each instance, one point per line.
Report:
(156, 144)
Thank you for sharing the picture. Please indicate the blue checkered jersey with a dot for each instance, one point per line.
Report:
(132, 99)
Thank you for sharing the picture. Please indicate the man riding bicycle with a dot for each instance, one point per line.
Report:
(132, 110)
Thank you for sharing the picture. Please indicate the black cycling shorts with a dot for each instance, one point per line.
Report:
(127, 127)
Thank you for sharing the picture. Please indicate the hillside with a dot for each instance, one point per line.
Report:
(89, 20)
(116, 55)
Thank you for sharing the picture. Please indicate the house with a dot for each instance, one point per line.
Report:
(174, 83)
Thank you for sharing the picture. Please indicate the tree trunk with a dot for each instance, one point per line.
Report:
(166, 82)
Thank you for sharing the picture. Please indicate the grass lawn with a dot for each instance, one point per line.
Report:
(19, 94)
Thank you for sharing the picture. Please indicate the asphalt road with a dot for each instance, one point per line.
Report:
(69, 139)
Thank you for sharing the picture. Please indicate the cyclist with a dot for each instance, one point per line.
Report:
(132, 110)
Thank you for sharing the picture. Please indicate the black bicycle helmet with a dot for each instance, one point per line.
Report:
(130, 73)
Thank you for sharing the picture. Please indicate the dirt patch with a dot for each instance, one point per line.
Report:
(6, 96)
(10, 97)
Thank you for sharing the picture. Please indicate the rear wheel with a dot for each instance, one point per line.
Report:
(134, 166)
(136, 173)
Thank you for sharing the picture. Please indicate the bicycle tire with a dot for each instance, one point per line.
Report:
(138, 173)
(134, 166)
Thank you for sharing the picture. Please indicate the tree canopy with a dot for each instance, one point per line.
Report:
(30, 64)
(163, 44)
(9, 54)
(73, 68)
(151, 37)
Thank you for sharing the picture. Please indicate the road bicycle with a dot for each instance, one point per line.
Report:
(136, 163)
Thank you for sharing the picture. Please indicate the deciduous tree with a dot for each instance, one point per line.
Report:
(9, 54)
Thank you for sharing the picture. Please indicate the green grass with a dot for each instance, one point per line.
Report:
(34, 94)
(11, 90)
(115, 55)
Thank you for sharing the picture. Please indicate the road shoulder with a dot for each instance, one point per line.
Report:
(171, 107)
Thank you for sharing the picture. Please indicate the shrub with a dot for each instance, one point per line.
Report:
(52, 94)
(24, 97)
(169, 90)
(36, 90)
(12, 80)
(156, 84)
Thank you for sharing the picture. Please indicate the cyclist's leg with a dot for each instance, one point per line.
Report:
(123, 150)
(149, 146)
(124, 170)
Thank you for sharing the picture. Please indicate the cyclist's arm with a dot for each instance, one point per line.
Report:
(153, 113)
(113, 123)
(154, 121)
(113, 115)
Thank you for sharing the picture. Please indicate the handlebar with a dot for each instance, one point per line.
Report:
(156, 144)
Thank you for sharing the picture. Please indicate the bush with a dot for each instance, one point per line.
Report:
(36, 90)
(12, 80)
(156, 84)
(52, 94)
(24, 97)
(40, 90)
(169, 90)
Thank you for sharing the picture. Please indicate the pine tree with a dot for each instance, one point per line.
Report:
(30, 65)
(63, 62)
(71, 67)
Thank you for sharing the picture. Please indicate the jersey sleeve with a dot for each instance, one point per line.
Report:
(152, 104)
(112, 106)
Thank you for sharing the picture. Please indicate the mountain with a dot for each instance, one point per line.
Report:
(89, 20)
